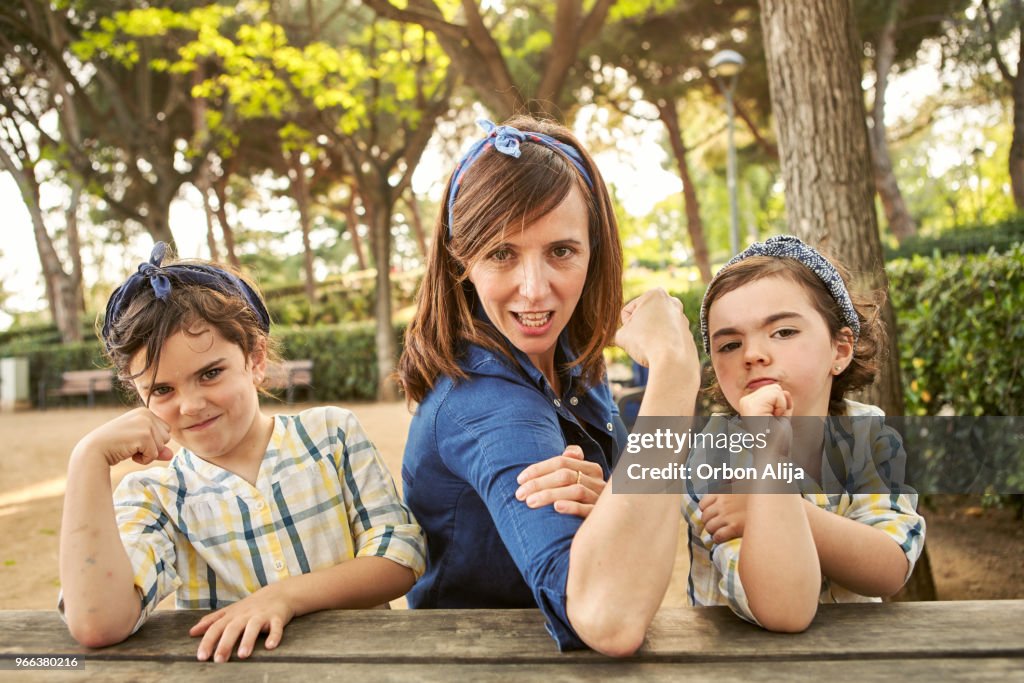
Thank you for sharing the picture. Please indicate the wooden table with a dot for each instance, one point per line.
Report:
(937, 641)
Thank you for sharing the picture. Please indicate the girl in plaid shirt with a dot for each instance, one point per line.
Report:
(260, 518)
(787, 339)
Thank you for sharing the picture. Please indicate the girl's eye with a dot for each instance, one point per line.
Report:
(160, 391)
(730, 346)
(212, 373)
(786, 332)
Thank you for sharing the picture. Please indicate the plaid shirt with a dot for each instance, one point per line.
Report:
(714, 568)
(322, 496)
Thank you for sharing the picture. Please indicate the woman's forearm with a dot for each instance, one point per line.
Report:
(624, 553)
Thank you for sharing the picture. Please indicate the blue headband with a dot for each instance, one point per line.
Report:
(160, 278)
(507, 139)
(787, 246)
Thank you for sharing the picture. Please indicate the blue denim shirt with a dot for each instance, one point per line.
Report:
(467, 444)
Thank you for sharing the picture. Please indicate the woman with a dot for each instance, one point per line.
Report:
(522, 294)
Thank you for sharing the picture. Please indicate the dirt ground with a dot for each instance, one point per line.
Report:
(975, 553)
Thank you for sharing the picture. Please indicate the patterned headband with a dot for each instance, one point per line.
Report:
(787, 246)
(160, 279)
(507, 139)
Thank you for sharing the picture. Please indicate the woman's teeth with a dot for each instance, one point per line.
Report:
(533, 319)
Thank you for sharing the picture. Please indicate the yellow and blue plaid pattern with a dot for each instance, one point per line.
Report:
(323, 495)
(714, 568)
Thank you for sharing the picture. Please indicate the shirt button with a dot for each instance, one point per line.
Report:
(610, 427)
(574, 400)
(279, 565)
(558, 404)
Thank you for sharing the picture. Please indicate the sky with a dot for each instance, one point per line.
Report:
(636, 169)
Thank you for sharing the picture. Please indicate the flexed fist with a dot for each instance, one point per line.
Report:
(138, 434)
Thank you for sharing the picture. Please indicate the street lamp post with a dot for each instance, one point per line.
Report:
(725, 66)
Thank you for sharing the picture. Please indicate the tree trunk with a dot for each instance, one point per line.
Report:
(379, 215)
(901, 223)
(220, 189)
(352, 221)
(417, 222)
(75, 243)
(694, 224)
(302, 200)
(814, 82)
(1017, 142)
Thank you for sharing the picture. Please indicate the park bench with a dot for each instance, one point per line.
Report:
(290, 374)
(79, 383)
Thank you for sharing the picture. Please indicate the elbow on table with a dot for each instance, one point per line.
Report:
(96, 632)
(792, 619)
(613, 637)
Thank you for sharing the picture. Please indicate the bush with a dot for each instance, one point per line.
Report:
(960, 332)
(973, 240)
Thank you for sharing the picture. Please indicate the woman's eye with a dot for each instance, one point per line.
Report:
(212, 374)
(563, 252)
(501, 255)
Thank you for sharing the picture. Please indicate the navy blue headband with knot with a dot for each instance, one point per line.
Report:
(507, 140)
(788, 246)
(162, 278)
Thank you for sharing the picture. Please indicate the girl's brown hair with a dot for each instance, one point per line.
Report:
(148, 322)
(499, 194)
(867, 350)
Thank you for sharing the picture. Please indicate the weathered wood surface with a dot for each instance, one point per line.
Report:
(862, 632)
(1003, 670)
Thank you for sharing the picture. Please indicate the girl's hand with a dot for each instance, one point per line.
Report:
(771, 400)
(724, 515)
(566, 481)
(138, 434)
(654, 327)
(265, 610)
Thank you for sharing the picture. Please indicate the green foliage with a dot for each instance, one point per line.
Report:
(960, 330)
(344, 358)
(970, 240)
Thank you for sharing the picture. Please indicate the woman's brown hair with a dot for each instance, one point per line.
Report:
(864, 365)
(498, 194)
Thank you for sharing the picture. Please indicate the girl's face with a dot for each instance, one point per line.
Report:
(206, 393)
(529, 284)
(768, 332)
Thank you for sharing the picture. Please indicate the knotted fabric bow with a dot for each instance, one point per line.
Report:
(507, 140)
(163, 278)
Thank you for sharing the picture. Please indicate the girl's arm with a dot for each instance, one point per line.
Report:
(778, 563)
(622, 557)
(359, 583)
(857, 556)
(101, 604)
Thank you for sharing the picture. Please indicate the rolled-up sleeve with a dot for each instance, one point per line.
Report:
(381, 524)
(489, 448)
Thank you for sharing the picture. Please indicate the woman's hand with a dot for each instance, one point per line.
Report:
(654, 328)
(242, 622)
(566, 481)
(138, 434)
(724, 515)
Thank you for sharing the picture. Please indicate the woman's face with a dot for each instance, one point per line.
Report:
(530, 282)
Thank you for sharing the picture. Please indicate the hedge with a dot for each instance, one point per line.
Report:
(968, 240)
(961, 329)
